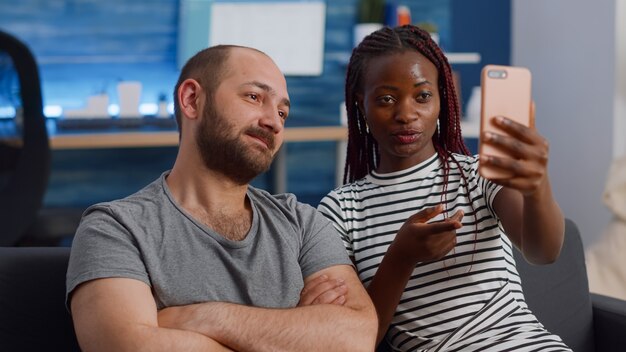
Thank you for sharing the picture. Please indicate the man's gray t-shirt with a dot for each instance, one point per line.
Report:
(149, 237)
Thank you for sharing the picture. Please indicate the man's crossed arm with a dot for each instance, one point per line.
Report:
(120, 314)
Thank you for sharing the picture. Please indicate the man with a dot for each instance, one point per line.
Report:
(200, 260)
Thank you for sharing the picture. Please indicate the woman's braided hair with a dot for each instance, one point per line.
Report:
(362, 154)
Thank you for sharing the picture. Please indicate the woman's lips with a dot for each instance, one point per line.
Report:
(407, 137)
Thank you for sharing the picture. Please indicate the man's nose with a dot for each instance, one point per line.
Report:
(271, 119)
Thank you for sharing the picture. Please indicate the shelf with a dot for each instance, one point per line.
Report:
(170, 138)
(139, 139)
(453, 58)
(131, 139)
(463, 58)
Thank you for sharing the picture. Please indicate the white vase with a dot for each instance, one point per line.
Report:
(435, 37)
(129, 97)
(361, 30)
(472, 110)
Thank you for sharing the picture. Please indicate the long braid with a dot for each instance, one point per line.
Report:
(362, 152)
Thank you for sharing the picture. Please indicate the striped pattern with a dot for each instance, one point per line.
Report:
(438, 310)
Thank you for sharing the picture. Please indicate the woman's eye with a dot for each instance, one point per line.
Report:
(386, 99)
(424, 96)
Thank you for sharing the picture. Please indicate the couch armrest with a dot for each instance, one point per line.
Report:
(609, 323)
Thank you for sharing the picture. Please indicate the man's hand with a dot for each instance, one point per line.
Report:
(420, 241)
(173, 318)
(323, 290)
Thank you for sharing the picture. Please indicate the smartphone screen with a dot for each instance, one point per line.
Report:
(506, 91)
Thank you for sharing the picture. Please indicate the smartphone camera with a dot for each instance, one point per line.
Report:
(498, 74)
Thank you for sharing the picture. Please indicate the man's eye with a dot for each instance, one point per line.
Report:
(253, 96)
(282, 114)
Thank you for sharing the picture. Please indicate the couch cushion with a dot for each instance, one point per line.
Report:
(33, 316)
(558, 293)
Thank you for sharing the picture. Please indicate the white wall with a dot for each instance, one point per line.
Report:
(569, 45)
(619, 132)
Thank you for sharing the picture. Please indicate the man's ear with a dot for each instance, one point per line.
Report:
(189, 95)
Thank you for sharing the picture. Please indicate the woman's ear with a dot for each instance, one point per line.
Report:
(189, 95)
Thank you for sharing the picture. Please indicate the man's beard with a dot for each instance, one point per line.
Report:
(230, 155)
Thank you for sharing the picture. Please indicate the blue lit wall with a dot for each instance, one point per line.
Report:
(85, 47)
(482, 26)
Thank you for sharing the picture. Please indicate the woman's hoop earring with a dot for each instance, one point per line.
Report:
(367, 127)
(358, 113)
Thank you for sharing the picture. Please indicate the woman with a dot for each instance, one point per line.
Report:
(432, 239)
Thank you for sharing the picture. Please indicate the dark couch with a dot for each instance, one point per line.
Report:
(33, 316)
(559, 296)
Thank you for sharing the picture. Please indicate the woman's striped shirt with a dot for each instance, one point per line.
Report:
(450, 303)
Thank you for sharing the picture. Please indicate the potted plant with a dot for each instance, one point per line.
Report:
(431, 28)
(371, 14)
